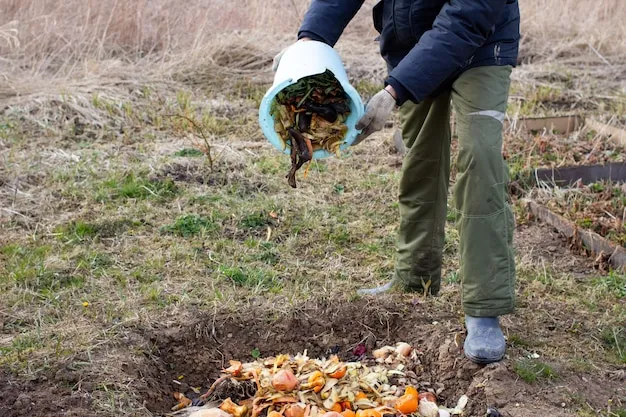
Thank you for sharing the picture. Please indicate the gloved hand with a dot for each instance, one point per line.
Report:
(376, 114)
(280, 54)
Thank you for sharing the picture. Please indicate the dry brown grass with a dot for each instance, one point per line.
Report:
(110, 47)
(574, 29)
(52, 39)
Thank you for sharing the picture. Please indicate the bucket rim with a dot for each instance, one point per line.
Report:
(273, 137)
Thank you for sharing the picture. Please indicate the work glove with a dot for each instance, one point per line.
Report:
(376, 114)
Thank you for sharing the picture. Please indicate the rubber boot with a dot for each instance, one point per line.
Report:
(485, 341)
(382, 289)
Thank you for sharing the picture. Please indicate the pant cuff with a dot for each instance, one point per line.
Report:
(410, 282)
(489, 312)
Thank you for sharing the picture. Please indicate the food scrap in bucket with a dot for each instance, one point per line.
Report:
(384, 385)
(310, 115)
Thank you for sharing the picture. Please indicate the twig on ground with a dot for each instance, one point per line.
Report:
(14, 213)
(600, 55)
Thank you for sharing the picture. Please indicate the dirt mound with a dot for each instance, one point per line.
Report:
(42, 397)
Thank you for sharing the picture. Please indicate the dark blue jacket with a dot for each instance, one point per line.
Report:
(427, 44)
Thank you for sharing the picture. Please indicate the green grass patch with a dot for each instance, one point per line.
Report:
(135, 187)
(614, 338)
(27, 267)
(79, 231)
(250, 277)
(189, 152)
(533, 371)
(367, 88)
(190, 225)
(519, 341)
(153, 294)
(254, 220)
(581, 365)
(453, 278)
(17, 352)
(94, 261)
(268, 254)
(614, 283)
(340, 236)
(145, 277)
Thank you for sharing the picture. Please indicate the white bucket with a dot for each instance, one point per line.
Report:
(303, 59)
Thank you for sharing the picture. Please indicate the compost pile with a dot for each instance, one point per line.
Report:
(310, 115)
(298, 386)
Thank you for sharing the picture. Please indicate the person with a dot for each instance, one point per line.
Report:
(441, 53)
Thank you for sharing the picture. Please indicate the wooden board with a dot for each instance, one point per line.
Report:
(615, 133)
(597, 245)
(562, 124)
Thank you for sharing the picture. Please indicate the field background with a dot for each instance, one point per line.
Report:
(135, 250)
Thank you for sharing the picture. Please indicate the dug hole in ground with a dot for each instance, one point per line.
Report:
(343, 361)
(192, 360)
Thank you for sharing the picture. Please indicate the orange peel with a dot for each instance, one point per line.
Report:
(231, 408)
(407, 404)
(234, 369)
(336, 407)
(315, 382)
(339, 373)
(368, 413)
(183, 402)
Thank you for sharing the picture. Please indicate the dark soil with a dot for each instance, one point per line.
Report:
(317, 328)
(42, 397)
(541, 243)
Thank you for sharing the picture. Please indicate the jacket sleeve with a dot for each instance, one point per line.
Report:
(325, 20)
(461, 27)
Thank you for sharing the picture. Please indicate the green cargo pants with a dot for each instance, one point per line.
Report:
(483, 216)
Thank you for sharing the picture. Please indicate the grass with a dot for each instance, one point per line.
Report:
(254, 278)
(615, 339)
(519, 341)
(132, 186)
(532, 371)
(614, 282)
(190, 225)
(189, 152)
(162, 235)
